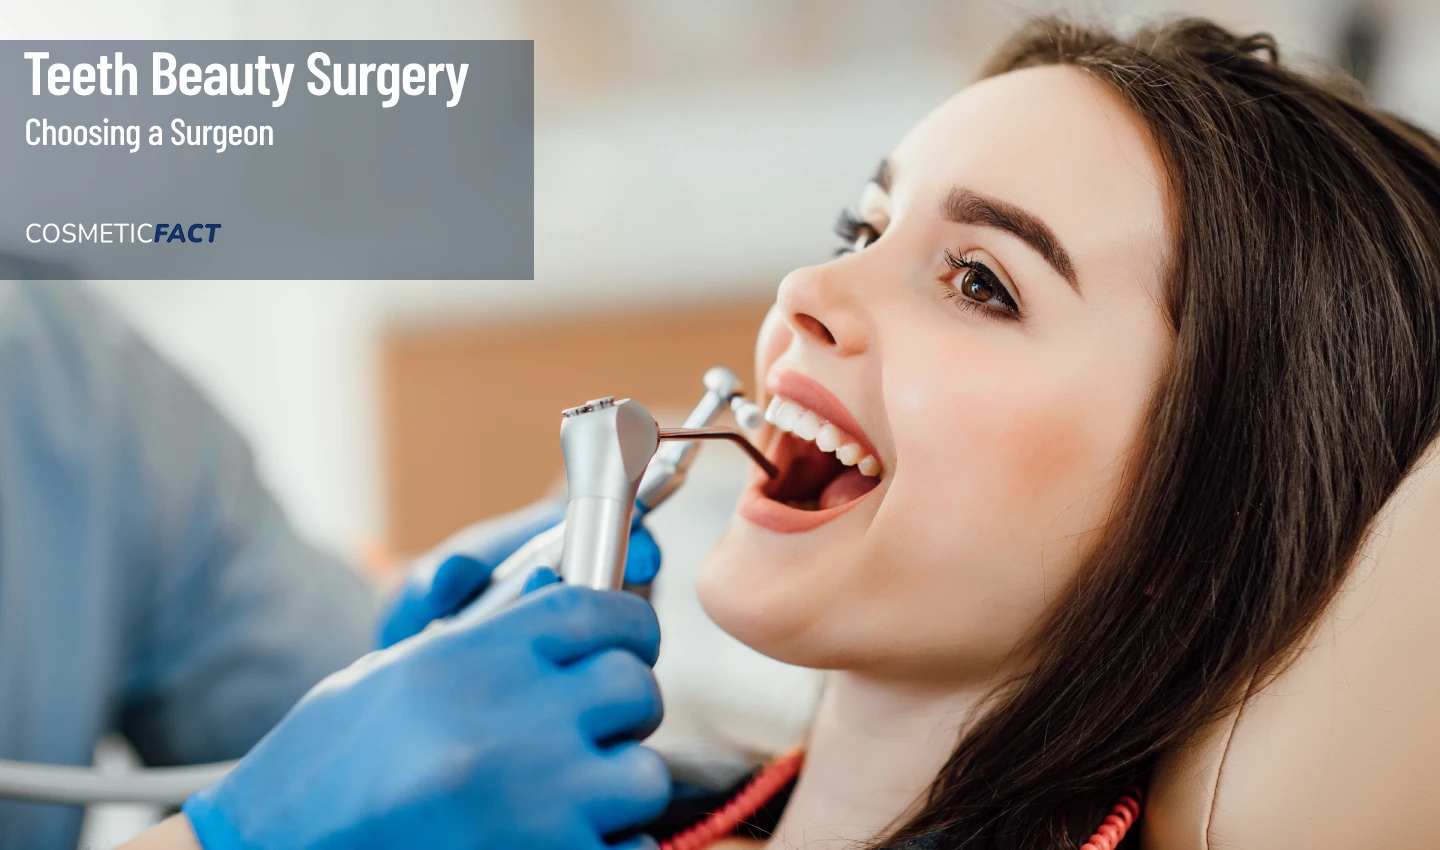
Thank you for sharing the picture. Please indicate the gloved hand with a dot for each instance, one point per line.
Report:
(493, 733)
(459, 569)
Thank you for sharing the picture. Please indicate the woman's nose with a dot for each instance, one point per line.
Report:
(822, 309)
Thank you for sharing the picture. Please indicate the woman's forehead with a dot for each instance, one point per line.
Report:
(1052, 140)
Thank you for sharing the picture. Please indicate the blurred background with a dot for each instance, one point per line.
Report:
(688, 154)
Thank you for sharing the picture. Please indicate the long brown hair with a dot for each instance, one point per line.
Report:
(1304, 296)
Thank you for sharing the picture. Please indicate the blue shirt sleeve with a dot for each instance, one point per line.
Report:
(181, 606)
(240, 617)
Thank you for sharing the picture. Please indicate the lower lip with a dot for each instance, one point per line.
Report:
(779, 517)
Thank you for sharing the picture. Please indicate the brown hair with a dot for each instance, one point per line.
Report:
(1304, 296)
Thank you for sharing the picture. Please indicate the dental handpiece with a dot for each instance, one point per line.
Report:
(665, 474)
(607, 445)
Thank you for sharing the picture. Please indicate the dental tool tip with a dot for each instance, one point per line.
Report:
(748, 414)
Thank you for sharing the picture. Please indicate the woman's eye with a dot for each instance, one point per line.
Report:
(855, 232)
(975, 286)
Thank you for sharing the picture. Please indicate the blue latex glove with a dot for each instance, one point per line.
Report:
(443, 584)
(515, 731)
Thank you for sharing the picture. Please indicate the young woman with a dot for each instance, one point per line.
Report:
(1128, 344)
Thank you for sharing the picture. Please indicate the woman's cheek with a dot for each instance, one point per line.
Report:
(1003, 465)
(1063, 464)
(1048, 451)
(946, 504)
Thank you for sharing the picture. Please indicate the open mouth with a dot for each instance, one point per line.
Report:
(825, 468)
(821, 466)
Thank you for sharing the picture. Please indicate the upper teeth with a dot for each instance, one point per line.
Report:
(805, 424)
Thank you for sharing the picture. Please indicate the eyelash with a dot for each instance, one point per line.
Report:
(850, 227)
(1011, 311)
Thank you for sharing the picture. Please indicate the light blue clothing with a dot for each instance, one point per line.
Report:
(148, 582)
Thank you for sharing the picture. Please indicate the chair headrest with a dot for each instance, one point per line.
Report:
(1343, 748)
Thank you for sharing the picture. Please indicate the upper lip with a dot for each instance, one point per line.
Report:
(810, 394)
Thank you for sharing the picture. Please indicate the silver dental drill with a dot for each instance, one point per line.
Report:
(603, 441)
(607, 445)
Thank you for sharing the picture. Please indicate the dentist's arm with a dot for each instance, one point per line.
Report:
(518, 731)
(233, 616)
(207, 615)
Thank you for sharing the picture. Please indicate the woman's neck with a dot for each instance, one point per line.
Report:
(873, 750)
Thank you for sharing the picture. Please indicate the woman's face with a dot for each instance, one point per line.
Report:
(991, 342)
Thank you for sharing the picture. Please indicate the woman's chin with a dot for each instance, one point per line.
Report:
(755, 602)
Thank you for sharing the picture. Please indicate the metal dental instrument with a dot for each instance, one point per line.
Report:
(664, 475)
(607, 445)
(722, 434)
(667, 470)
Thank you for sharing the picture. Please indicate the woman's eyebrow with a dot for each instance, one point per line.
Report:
(966, 206)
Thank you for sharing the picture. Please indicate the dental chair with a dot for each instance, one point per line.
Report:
(1342, 750)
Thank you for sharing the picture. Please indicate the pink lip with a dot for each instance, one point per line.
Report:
(776, 516)
(808, 393)
(768, 513)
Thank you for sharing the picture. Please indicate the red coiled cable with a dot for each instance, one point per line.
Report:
(776, 775)
(1114, 827)
(786, 767)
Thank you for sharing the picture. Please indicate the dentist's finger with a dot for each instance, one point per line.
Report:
(642, 563)
(632, 788)
(542, 577)
(622, 697)
(570, 623)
